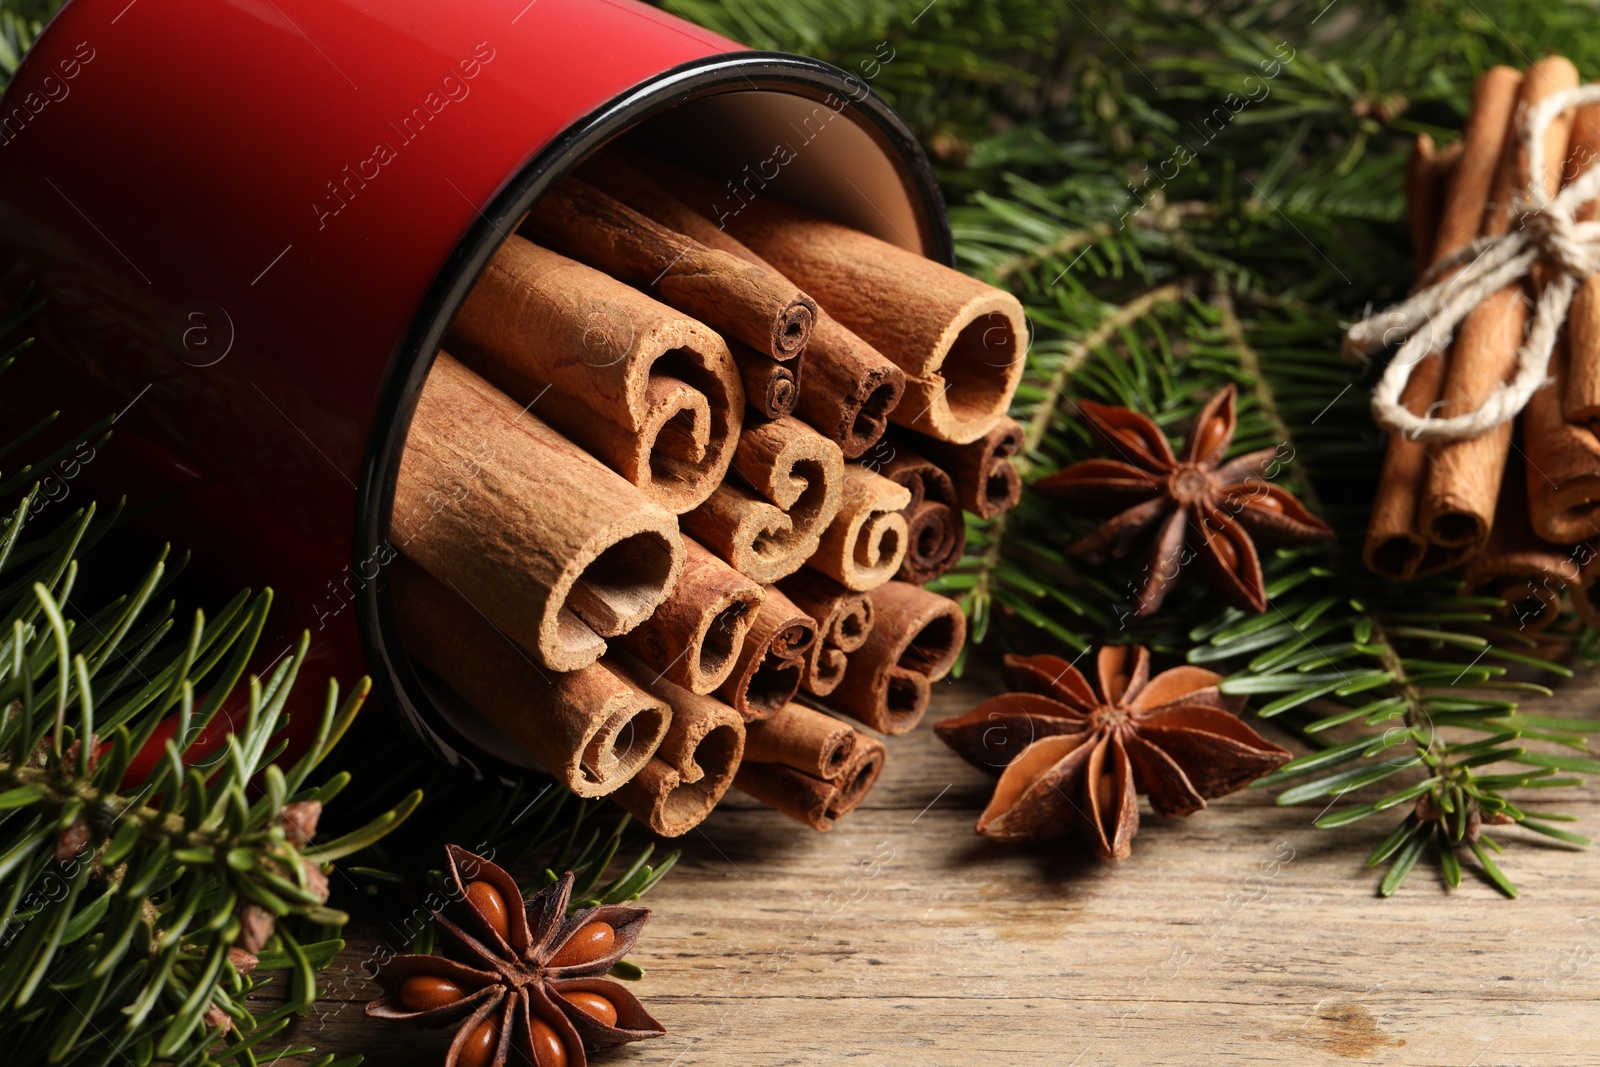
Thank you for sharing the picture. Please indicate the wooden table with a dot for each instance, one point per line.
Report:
(1240, 935)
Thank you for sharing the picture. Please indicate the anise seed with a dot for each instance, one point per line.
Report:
(479, 1048)
(424, 992)
(548, 1051)
(592, 941)
(593, 1005)
(492, 906)
(1210, 437)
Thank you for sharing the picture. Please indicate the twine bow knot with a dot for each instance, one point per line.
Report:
(1547, 232)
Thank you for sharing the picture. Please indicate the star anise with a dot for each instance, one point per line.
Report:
(1074, 758)
(525, 980)
(1197, 509)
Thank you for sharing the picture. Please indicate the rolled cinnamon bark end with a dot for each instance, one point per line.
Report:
(866, 542)
(960, 342)
(1586, 589)
(695, 765)
(817, 802)
(771, 664)
(654, 394)
(859, 775)
(844, 618)
(936, 534)
(915, 638)
(1563, 463)
(591, 728)
(1526, 573)
(755, 305)
(987, 482)
(849, 389)
(1457, 507)
(767, 519)
(770, 387)
(802, 738)
(695, 636)
(1394, 547)
(553, 548)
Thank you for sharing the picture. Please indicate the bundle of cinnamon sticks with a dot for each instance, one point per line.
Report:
(639, 535)
(1518, 507)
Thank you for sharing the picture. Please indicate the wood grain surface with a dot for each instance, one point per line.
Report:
(1240, 935)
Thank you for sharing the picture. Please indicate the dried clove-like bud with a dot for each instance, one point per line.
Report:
(255, 927)
(300, 820)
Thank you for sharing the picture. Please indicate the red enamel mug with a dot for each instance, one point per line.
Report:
(251, 223)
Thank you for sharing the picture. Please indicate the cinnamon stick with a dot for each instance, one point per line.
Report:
(915, 638)
(800, 737)
(1525, 572)
(759, 307)
(1394, 547)
(1580, 403)
(936, 534)
(652, 393)
(848, 388)
(1558, 425)
(554, 549)
(591, 728)
(1586, 590)
(767, 519)
(772, 661)
(817, 802)
(694, 637)
(844, 618)
(769, 386)
(1427, 172)
(987, 482)
(960, 342)
(866, 542)
(695, 765)
(1463, 483)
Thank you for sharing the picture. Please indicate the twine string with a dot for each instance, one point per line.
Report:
(1547, 231)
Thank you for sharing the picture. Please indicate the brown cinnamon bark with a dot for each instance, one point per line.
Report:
(1458, 500)
(759, 307)
(554, 549)
(915, 638)
(1586, 590)
(770, 387)
(654, 394)
(987, 482)
(844, 618)
(817, 802)
(1563, 463)
(772, 661)
(695, 765)
(960, 342)
(1559, 423)
(936, 533)
(694, 637)
(1580, 403)
(866, 542)
(591, 728)
(767, 519)
(1427, 172)
(848, 388)
(800, 737)
(1527, 573)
